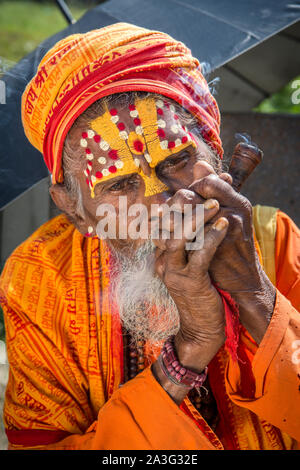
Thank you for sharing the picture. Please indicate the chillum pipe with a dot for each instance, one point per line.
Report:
(244, 160)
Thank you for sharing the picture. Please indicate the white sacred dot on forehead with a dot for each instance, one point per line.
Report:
(123, 135)
(90, 229)
(104, 145)
(174, 129)
(119, 164)
(137, 162)
(148, 158)
(134, 113)
(93, 178)
(139, 130)
(102, 160)
(89, 156)
(172, 108)
(177, 142)
(115, 119)
(164, 144)
(83, 143)
(105, 172)
(161, 123)
(91, 134)
(159, 103)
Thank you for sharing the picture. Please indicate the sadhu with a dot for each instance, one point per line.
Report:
(128, 343)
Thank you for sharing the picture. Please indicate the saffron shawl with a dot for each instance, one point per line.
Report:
(65, 347)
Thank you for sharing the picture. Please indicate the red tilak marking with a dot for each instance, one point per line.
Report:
(84, 135)
(121, 126)
(137, 121)
(131, 107)
(138, 145)
(112, 169)
(161, 133)
(160, 111)
(113, 112)
(88, 151)
(113, 154)
(97, 138)
(184, 139)
(171, 145)
(99, 174)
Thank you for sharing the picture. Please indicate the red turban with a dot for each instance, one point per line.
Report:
(83, 68)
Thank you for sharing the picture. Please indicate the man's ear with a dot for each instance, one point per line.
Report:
(63, 200)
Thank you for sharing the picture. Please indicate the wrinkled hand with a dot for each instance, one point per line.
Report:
(235, 266)
(188, 281)
(228, 259)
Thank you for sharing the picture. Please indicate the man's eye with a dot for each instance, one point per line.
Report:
(178, 161)
(117, 186)
(128, 183)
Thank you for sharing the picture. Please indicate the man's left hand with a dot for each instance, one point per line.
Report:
(235, 266)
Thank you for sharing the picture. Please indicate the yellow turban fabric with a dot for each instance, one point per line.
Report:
(83, 68)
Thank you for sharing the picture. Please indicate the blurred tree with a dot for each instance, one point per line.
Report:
(286, 100)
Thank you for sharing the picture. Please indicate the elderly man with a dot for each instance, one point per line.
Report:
(127, 343)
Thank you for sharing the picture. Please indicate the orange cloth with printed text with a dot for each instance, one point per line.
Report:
(65, 353)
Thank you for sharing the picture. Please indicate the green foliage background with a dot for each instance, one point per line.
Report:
(281, 102)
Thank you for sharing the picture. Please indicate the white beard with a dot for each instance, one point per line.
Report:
(147, 311)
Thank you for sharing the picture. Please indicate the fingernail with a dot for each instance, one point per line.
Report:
(210, 203)
(220, 224)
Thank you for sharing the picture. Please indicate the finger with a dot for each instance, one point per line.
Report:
(184, 226)
(226, 177)
(200, 260)
(171, 220)
(174, 204)
(175, 255)
(213, 187)
(181, 197)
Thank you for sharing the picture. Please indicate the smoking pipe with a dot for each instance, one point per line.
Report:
(244, 160)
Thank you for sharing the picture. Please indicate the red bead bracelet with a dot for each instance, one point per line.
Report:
(176, 372)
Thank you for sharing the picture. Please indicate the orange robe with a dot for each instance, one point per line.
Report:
(64, 347)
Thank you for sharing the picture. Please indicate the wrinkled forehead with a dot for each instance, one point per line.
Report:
(130, 139)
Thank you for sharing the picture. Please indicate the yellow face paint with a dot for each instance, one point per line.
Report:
(151, 134)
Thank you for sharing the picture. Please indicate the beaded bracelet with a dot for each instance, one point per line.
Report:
(177, 373)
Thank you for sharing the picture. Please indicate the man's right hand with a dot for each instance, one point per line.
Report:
(200, 306)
